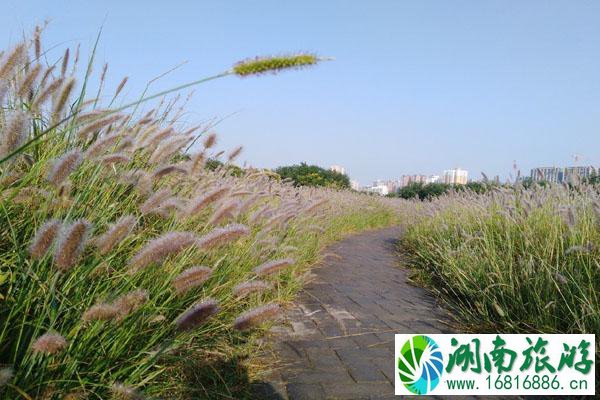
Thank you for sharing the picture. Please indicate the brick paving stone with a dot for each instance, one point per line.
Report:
(340, 344)
(357, 391)
(365, 371)
(304, 391)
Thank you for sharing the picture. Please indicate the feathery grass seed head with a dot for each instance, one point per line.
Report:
(26, 85)
(6, 375)
(65, 63)
(100, 312)
(101, 145)
(227, 210)
(263, 65)
(197, 163)
(160, 248)
(15, 133)
(199, 202)
(234, 153)
(115, 158)
(13, 58)
(166, 170)
(272, 267)
(63, 97)
(155, 200)
(116, 233)
(97, 125)
(131, 301)
(221, 236)
(121, 86)
(49, 343)
(44, 238)
(64, 166)
(71, 242)
(245, 288)
(197, 314)
(121, 391)
(256, 316)
(191, 278)
(47, 92)
(210, 140)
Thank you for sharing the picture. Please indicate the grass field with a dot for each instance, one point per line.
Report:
(129, 269)
(514, 260)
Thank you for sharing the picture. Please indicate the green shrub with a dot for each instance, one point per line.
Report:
(312, 175)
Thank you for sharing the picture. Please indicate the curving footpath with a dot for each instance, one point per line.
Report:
(339, 338)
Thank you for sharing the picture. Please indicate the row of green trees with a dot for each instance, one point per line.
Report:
(431, 190)
(312, 175)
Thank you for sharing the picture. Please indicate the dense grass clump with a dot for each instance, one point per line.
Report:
(515, 260)
(123, 258)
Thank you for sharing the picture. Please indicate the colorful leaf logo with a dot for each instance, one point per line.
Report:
(420, 364)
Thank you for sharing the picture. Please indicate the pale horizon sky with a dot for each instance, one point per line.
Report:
(416, 86)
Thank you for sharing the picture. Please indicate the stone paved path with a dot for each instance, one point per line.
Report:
(339, 343)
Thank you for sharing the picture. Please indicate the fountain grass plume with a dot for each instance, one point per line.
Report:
(245, 288)
(44, 238)
(64, 166)
(155, 200)
(121, 391)
(272, 267)
(222, 236)
(168, 169)
(70, 245)
(12, 60)
(151, 137)
(65, 62)
(197, 163)
(191, 278)
(210, 141)
(100, 312)
(168, 148)
(6, 375)
(121, 86)
(160, 248)
(234, 153)
(264, 65)
(131, 302)
(256, 316)
(168, 205)
(101, 145)
(199, 202)
(14, 133)
(116, 233)
(63, 97)
(95, 126)
(46, 93)
(28, 82)
(115, 158)
(225, 211)
(197, 314)
(49, 343)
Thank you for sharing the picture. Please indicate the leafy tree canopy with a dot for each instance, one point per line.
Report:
(312, 175)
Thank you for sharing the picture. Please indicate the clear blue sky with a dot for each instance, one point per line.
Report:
(417, 86)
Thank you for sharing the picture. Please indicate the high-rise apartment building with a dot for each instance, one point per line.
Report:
(338, 169)
(561, 174)
(456, 176)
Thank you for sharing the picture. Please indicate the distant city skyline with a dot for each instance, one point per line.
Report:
(410, 88)
(555, 174)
